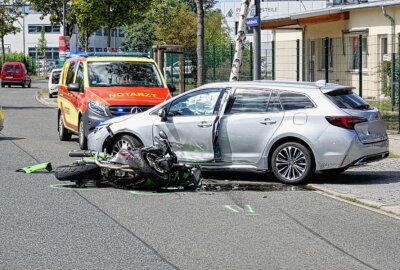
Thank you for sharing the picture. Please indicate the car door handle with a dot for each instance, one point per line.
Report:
(204, 124)
(268, 121)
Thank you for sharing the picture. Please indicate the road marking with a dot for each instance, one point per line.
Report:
(249, 211)
(69, 187)
(150, 193)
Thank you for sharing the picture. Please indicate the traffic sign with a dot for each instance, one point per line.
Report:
(253, 22)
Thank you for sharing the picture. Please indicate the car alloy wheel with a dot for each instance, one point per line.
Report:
(126, 141)
(292, 163)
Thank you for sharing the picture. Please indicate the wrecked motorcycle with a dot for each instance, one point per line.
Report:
(156, 167)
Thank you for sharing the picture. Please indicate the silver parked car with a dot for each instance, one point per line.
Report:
(289, 128)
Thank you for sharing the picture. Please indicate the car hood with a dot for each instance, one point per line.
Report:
(128, 95)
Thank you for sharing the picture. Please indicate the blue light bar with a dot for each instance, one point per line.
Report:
(120, 110)
(110, 54)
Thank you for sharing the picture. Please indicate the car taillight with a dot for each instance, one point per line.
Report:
(345, 121)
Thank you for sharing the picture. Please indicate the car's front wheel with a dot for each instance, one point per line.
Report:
(63, 133)
(125, 141)
(81, 134)
(292, 163)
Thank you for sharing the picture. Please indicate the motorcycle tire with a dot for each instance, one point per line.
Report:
(149, 169)
(78, 172)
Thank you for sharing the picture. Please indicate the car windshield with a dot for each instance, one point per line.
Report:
(103, 74)
(56, 77)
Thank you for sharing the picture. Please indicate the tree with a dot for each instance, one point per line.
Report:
(115, 13)
(240, 41)
(88, 17)
(42, 43)
(140, 36)
(175, 24)
(54, 8)
(200, 42)
(207, 4)
(215, 33)
(9, 14)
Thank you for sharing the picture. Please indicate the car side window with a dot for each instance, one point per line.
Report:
(274, 104)
(79, 76)
(71, 73)
(250, 101)
(295, 101)
(199, 103)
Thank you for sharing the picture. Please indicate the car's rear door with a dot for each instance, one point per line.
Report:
(248, 124)
(190, 124)
(369, 131)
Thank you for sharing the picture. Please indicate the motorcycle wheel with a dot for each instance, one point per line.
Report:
(149, 168)
(78, 172)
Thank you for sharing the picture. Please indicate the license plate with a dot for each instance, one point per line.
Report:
(9, 77)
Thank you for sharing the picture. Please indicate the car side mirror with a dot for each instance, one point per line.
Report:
(162, 135)
(163, 113)
(171, 88)
(74, 87)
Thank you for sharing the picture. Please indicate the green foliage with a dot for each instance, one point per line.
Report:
(42, 43)
(214, 31)
(9, 14)
(140, 36)
(208, 4)
(386, 74)
(20, 57)
(88, 17)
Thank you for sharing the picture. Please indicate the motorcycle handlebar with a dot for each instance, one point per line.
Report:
(82, 153)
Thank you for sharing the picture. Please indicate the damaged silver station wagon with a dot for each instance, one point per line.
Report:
(289, 128)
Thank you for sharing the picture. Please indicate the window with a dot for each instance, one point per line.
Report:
(36, 29)
(274, 105)
(51, 53)
(346, 99)
(17, 69)
(79, 76)
(353, 51)
(295, 101)
(250, 101)
(8, 68)
(105, 29)
(99, 32)
(330, 54)
(121, 33)
(71, 73)
(199, 103)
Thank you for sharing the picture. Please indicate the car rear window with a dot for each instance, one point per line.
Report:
(347, 100)
(8, 68)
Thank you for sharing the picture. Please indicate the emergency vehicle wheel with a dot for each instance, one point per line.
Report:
(63, 133)
(82, 136)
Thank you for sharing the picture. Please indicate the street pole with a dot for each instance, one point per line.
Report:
(64, 17)
(257, 44)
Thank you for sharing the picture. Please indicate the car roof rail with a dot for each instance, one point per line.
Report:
(110, 54)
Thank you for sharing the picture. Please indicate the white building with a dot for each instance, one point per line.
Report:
(31, 24)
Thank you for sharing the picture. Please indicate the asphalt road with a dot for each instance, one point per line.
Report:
(46, 226)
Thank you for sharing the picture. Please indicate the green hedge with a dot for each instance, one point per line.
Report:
(20, 57)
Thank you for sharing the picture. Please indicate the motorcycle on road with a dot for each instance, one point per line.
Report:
(149, 166)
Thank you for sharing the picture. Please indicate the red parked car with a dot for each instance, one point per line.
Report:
(15, 73)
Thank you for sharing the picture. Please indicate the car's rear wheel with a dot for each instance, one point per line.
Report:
(63, 133)
(3, 85)
(127, 141)
(30, 84)
(292, 163)
(81, 134)
(23, 84)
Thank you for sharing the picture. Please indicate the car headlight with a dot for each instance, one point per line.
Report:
(97, 108)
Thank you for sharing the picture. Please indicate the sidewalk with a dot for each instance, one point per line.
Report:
(375, 185)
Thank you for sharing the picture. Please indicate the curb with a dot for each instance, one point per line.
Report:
(391, 210)
(40, 99)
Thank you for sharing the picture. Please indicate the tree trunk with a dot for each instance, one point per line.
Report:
(240, 39)
(3, 52)
(200, 42)
(109, 39)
